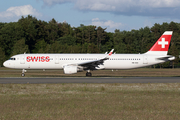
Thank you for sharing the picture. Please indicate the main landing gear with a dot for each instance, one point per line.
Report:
(88, 74)
(23, 72)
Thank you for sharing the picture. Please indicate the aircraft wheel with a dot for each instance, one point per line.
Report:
(22, 74)
(88, 74)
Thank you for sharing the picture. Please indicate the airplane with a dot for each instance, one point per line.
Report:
(73, 63)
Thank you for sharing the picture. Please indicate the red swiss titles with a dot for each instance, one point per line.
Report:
(37, 59)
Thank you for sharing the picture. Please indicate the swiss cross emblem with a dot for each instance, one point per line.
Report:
(163, 43)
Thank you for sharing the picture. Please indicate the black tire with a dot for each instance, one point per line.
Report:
(22, 74)
(88, 74)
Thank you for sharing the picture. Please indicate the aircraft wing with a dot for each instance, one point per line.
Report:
(94, 63)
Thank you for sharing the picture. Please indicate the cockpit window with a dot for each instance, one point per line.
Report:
(12, 58)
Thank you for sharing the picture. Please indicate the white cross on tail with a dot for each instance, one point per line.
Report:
(163, 43)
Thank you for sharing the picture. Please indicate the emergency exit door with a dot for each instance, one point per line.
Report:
(56, 60)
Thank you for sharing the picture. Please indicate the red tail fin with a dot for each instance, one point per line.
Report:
(162, 44)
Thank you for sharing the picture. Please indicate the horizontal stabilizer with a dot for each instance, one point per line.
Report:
(167, 58)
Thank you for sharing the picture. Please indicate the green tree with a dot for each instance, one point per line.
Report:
(9, 34)
(119, 45)
(56, 47)
(29, 28)
(41, 47)
(101, 35)
(52, 31)
(20, 47)
(69, 40)
(2, 56)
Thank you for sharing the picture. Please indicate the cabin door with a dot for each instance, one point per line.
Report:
(145, 59)
(22, 59)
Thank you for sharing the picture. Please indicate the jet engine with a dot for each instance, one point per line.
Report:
(70, 69)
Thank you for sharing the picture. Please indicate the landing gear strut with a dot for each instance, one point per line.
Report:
(23, 72)
(88, 74)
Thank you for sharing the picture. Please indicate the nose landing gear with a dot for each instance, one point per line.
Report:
(23, 72)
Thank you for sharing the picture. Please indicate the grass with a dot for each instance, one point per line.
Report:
(90, 101)
(146, 72)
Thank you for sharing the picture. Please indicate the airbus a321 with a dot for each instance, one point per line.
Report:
(73, 63)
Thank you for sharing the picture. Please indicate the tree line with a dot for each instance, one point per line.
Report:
(31, 35)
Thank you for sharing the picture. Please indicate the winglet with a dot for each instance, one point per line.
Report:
(110, 53)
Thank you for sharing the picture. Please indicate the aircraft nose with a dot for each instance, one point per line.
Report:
(5, 64)
(8, 64)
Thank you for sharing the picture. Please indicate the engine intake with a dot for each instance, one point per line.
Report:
(70, 69)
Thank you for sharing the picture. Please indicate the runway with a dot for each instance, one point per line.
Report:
(25, 80)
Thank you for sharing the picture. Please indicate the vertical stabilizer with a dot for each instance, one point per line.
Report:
(162, 44)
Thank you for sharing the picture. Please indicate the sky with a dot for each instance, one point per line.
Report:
(110, 14)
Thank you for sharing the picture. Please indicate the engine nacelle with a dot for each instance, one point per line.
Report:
(70, 69)
(100, 67)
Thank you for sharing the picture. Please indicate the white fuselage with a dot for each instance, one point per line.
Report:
(57, 61)
(73, 63)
